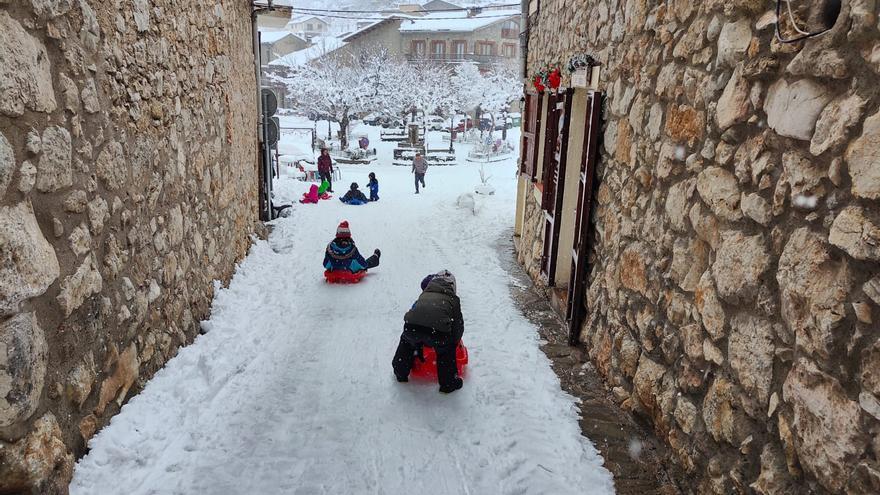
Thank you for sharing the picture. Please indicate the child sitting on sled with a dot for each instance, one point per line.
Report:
(354, 196)
(434, 320)
(343, 255)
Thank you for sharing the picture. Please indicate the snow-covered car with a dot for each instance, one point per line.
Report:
(436, 123)
(372, 119)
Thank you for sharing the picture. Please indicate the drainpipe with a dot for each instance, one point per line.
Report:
(524, 40)
(262, 192)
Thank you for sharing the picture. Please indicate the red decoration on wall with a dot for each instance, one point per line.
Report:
(539, 83)
(555, 78)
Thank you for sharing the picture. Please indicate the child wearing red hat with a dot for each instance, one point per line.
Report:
(343, 255)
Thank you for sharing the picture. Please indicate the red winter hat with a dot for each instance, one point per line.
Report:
(342, 230)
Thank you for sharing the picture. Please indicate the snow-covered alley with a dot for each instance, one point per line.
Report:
(290, 390)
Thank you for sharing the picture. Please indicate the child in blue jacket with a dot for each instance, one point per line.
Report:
(374, 187)
(343, 255)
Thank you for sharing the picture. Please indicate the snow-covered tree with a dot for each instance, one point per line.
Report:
(504, 86)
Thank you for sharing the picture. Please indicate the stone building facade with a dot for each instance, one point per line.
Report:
(127, 188)
(734, 271)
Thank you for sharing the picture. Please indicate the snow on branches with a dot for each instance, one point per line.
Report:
(340, 86)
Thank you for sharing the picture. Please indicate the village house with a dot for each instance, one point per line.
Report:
(308, 26)
(695, 190)
(486, 37)
(275, 44)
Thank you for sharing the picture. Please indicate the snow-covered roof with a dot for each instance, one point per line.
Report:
(372, 25)
(273, 36)
(322, 46)
(298, 18)
(457, 21)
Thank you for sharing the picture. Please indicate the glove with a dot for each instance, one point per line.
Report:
(377, 253)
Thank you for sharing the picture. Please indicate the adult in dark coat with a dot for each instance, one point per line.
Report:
(325, 168)
(342, 255)
(354, 196)
(434, 320)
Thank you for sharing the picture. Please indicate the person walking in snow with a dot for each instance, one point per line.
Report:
(419, 167)
(434, 320)
(343, 255)
(374, 187)
(354, 196)
(325, 168)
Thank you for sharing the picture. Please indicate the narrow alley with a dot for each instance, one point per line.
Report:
(291, 390)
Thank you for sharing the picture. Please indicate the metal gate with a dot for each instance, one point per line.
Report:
(577, 288)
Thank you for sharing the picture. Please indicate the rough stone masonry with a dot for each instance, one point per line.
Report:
(734, 294)
(127, 186)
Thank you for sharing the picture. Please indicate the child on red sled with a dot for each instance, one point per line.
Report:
(434, 320)
(343, 255)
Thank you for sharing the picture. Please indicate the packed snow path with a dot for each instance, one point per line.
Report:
(291, 390)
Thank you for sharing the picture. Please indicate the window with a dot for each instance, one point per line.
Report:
(438, 50)
(510, 29)
(459, 49)
(485, 48)
(310, 27)
(508, 50)
(417, 48)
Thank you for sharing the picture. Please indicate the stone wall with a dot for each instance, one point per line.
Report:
(735, 285)
(531, 239)
(127, 186)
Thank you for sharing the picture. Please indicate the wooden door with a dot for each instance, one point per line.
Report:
(576, 311)
(555, 151)
(531, 126)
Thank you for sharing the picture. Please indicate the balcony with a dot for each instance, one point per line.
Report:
(455, 58)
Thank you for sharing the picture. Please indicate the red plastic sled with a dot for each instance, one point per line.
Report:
(428, 368)
(344, 276)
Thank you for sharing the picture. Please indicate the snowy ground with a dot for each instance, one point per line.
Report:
(291, 390)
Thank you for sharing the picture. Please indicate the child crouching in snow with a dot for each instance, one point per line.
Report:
(354, 196)
(374, 187)
(434, 320)
(343, 255)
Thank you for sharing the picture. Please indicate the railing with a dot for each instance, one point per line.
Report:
(453, 58)
(509, 33)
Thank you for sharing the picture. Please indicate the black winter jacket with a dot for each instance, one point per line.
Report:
(438, 307)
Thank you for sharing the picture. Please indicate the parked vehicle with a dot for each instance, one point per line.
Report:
(372, 119)
(460, 124)
(436, 123)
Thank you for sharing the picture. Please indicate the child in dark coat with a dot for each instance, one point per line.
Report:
(434, 320)
(343, 255)
(374, 187)
(354, 196)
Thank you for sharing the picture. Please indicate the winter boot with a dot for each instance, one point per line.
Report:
(402, 379)
(455, 386)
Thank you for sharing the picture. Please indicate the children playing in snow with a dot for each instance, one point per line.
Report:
(374, 187)
(434, 320)
(343, 255)
(354, 196)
